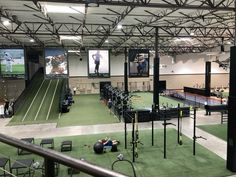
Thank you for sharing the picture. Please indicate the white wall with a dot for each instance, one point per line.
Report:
(184, 64)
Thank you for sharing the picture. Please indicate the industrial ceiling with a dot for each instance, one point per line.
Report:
(184, 26)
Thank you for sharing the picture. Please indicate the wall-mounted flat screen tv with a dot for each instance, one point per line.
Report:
(12, 63)
(138, 62)
(56, 64)
(98, 63)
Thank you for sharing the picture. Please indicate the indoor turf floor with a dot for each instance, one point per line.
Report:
(142, 100)
(218, 130)
(87, 110)
(40, 105)
(179, 163)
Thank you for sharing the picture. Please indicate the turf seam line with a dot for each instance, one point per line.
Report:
(42, 100)
(32, 101)
(49, 110)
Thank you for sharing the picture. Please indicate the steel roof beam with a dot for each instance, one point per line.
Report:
(115, 23)
(20, 25)
(210, 5)
(54, 30)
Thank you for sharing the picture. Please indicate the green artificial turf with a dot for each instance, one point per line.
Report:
(179, 163)
(16, 69)
(42, 104)
(145, 100)
(87, 110)
(218, 130)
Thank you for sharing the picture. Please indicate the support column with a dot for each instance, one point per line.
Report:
(156, 73)
(208, 79)
(231, 139)
(156, 63)
(49, 168)
(126, 73)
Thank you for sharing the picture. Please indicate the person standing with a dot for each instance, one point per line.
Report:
(109, 105)
(74, 90)
(97, 57)
(9, 61)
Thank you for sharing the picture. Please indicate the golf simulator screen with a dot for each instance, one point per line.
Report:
(98, 63)
(55, 63)
(12, 63)
(138, 63)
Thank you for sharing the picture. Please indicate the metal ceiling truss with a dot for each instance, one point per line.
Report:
(19, 26)
(127, 31)
(115, 23)
(50, 26)
(210, 23)
(223, 5)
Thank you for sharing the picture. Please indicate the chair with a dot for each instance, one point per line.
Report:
(21, 151)
(49, 142)
(3, 163)
(22, 165)
(66, 145)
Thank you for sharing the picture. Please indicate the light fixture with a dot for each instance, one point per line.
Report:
(92, 3)
(119, 26)
(73, 51)
(192, 34)
(228, 43)
(64, 37)
(6, 22)
(106, 41)
(32, 40)
(183, 39)
(63, 9)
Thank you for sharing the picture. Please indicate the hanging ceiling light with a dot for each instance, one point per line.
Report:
(6, 23)
(92, 3)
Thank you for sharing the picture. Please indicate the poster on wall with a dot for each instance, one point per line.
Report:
(12, 63)
(138, 62)
(98, 63)
(55, 62)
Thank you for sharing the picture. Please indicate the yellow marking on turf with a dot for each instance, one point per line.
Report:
(49, 110)
(42, 100)
(32, 101)
(7, 172)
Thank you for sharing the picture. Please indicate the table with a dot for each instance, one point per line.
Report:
(20, 164)
(21, 151)
(3, 164)
(48, 141)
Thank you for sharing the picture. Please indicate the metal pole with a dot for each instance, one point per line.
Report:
(125, 117)
(133, 119)
(126, 73)
(156, 63)
(165, 133)
(194, 131)
(49, 167)
(178, 134)
(156, 72)
(152, 116)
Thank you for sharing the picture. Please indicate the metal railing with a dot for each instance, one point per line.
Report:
(51, 156)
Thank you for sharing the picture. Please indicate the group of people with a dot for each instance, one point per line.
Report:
(6, 110)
